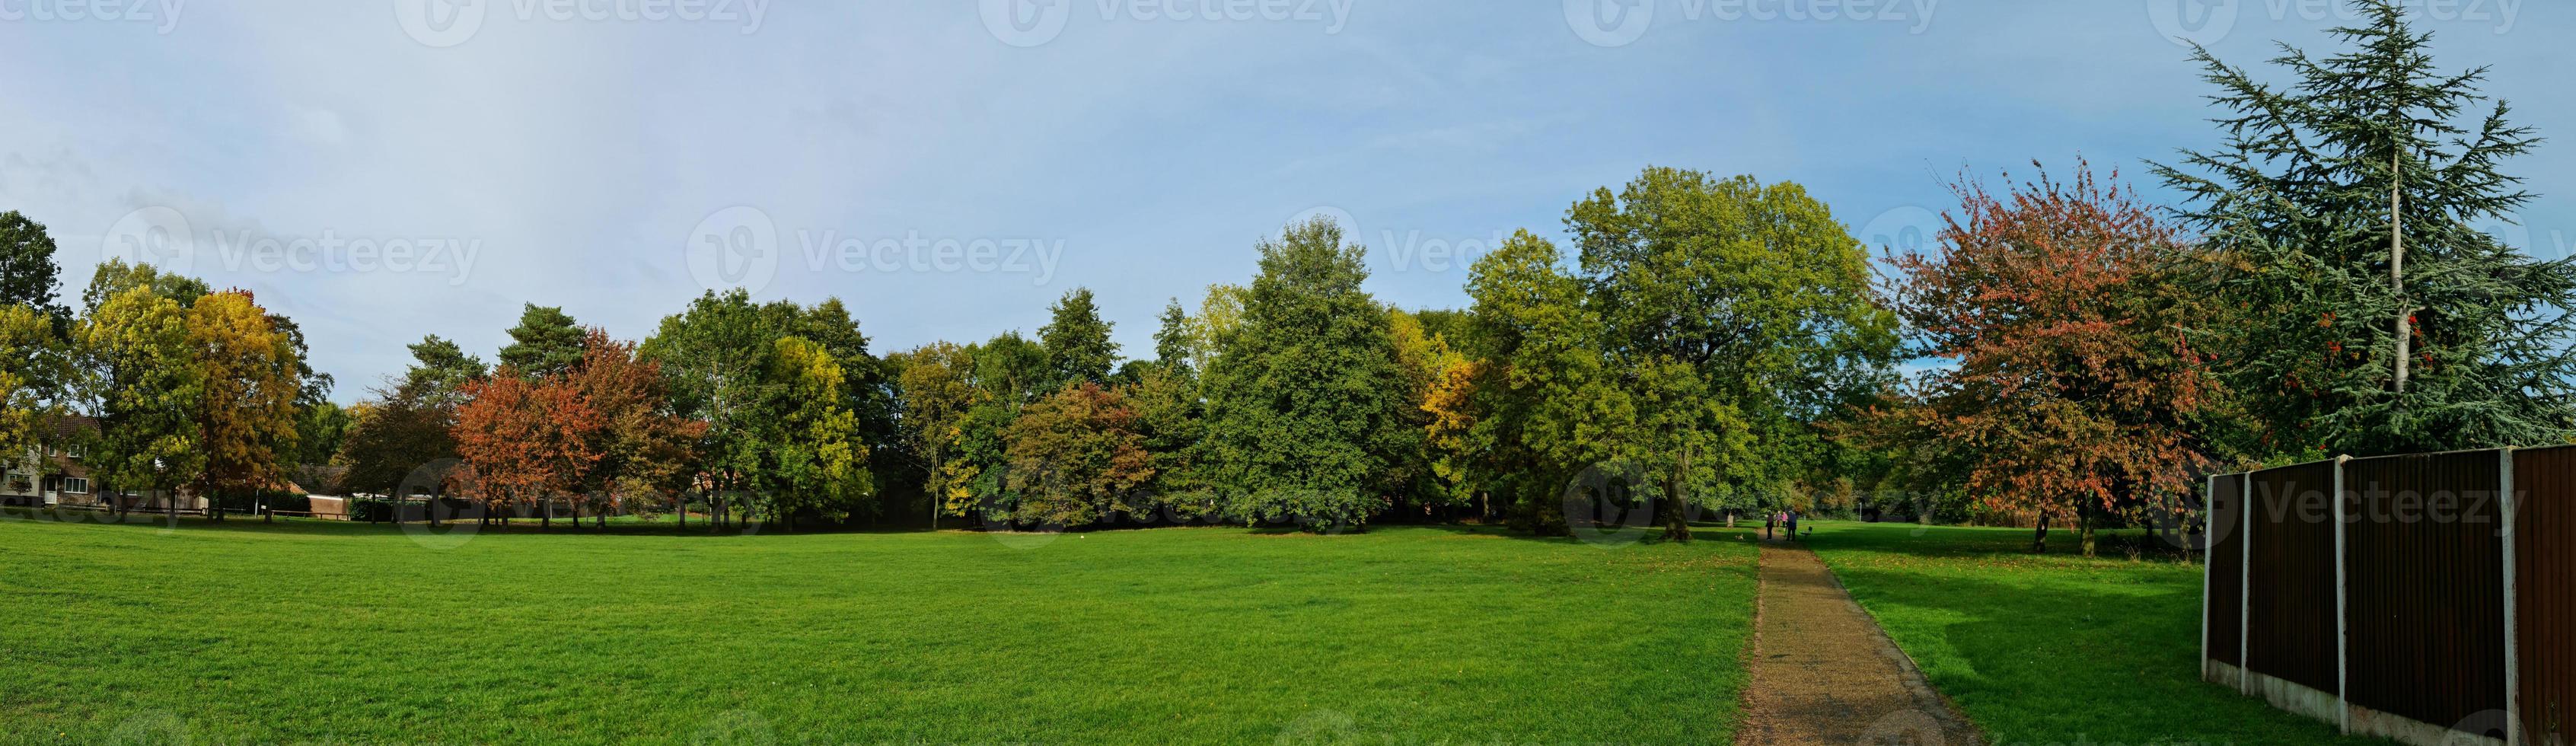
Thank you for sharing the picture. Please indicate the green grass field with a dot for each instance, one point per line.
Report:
(2054, 648)
(324, 632)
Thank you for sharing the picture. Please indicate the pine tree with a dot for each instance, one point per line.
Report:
(2375, 318)
(546, 342)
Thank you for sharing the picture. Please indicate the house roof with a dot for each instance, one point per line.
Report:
(63, 428)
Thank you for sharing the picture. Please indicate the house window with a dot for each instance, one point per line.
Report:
(76, 485)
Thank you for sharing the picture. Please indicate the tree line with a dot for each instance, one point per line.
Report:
(2065, 352)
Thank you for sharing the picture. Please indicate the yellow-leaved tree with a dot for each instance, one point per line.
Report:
(246, 417)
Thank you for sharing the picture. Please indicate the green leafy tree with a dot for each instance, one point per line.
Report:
(1540, 405)
(1738, 315)
(1011, 371)
(149, 391)
(2342, 212)
(32, 357)
(1307, 416)
(115, 276)
(320, 430)
(546, 342)
(715, 354)
(1175, 347)
(1077, 343)
(1172, 420)
(28, 274)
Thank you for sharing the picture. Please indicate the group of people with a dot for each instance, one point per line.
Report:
(1779, 519)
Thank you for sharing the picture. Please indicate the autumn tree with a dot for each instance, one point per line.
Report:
(643, 449)
(246, 414)
(2071, 377)
(938, 385)
(811, 457)
(1424, 359)
(1076, 458)
(524, 441)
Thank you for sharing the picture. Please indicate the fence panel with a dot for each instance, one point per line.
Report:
(2290, 615)
(2226, 532)
(2425, 586)
(2544, 485)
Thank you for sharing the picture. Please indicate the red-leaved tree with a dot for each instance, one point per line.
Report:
(643, 449)
(2074, 386)
(524, 442)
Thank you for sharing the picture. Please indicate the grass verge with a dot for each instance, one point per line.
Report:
(2040, 649)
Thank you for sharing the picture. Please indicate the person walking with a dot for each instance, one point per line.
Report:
(1769, 520)
(1793, 525)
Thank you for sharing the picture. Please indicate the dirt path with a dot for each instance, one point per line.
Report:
(1823, 672)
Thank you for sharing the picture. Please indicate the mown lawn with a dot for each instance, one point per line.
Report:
(2054, 648)
(322, 632)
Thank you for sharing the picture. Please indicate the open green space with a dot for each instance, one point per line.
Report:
(2052, 648)
(320, 632)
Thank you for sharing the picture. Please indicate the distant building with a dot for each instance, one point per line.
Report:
(53, 473)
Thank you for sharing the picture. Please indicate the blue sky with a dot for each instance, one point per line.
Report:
(345, 158)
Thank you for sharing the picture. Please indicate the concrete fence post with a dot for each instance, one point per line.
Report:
(2506, 503)
(2245, 586)
(2343, 624)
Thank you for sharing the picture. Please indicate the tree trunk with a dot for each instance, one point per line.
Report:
(545, 514)
(2084, 530)
(1676, 523)
(2039, 536)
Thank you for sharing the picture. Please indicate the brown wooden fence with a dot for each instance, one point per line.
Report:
(2423, 597)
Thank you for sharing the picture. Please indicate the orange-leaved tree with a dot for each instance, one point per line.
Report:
(2072, 382)
(643, 449)
(524, 442)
